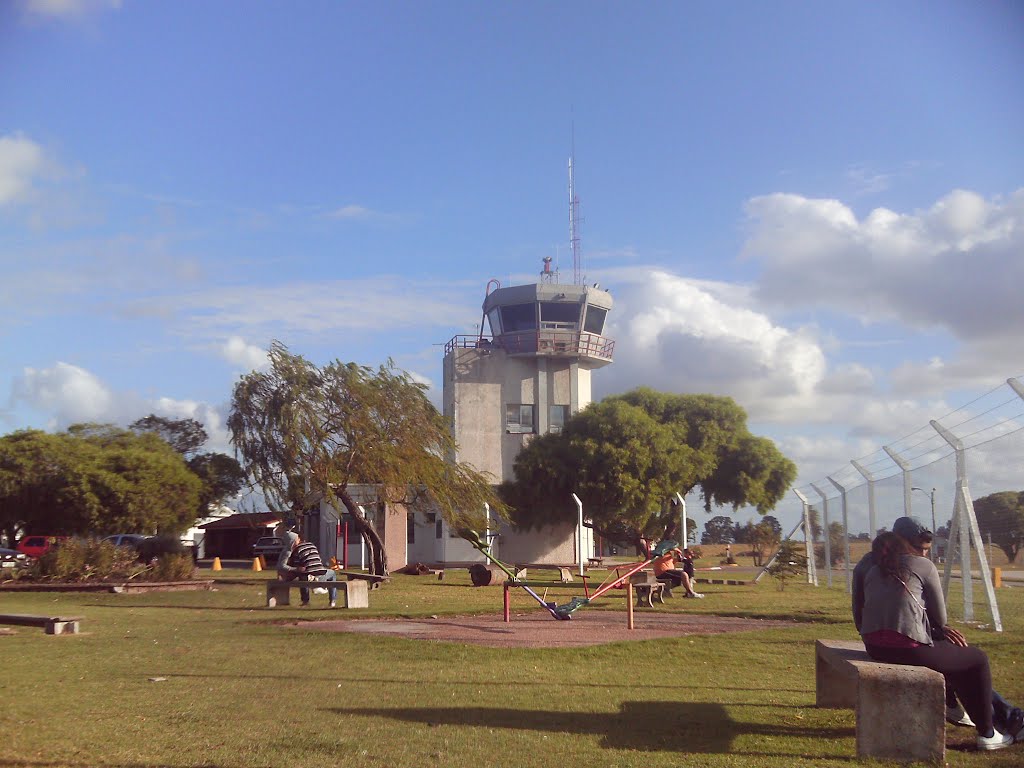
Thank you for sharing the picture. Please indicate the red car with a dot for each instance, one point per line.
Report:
(36, 546)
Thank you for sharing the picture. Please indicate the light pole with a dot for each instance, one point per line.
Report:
(922, 490)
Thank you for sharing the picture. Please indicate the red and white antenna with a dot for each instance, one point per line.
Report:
(574, 218)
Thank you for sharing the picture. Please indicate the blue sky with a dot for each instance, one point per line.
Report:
(817, 208)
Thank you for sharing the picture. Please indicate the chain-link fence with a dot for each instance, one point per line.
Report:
(960, 474)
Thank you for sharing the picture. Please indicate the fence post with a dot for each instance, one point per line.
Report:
(828, 547)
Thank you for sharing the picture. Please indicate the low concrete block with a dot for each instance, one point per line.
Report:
(357, 593)
(900, 709)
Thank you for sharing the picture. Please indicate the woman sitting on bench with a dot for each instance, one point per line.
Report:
(900, 613)
(665, 570)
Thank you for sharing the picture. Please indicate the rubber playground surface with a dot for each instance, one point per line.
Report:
(537, 629)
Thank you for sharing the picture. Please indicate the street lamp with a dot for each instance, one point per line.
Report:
(922, 490)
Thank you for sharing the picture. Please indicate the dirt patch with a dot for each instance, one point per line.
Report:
(539, 630)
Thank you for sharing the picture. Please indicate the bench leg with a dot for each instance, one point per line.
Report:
(898, 718)
(357, 595)
(277, 596)
(61, 628)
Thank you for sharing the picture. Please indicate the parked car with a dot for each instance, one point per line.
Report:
(12, 558)
(126, 539)
(37, 546)
(268, 547)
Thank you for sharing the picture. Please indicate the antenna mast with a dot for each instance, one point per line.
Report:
(574, 217)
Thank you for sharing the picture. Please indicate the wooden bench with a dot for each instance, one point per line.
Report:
(52, 625)
(371, 578)
(356, 592)
(900, 709)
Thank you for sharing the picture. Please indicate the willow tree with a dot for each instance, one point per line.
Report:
(308, 433)
(628, 455)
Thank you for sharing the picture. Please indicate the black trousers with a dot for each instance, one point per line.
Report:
(966, 671)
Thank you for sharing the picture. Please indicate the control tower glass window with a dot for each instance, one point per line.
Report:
(560, 314)
(595, 319)
(518, 317)
(518, 418)
(494, 320)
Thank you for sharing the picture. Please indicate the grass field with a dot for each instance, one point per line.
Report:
(241, 690)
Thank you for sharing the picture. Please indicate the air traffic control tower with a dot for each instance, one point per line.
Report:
(523, 379)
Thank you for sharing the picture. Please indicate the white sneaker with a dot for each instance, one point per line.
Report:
(320, 591)
(957, 716)
(996, 741)
(699, 595)
(333, 604)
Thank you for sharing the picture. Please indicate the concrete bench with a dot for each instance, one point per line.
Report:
(52, 625)
(356, 593)
(647, 588)
(900, 709)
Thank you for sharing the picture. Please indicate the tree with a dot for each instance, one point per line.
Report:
(1001, 517)
(625, 456)
(718, 530)
(761, 537)
(222, 476)
(815, 520)
(789, 563)
(186, 436)
(92, 479)
(307, 433)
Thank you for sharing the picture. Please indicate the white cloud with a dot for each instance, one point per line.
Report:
(955, 267)
(683, 335)
(247, 356)
(68, 9)
(69, 393)
(22, 161)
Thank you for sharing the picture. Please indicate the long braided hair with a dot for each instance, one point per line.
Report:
(887, 551)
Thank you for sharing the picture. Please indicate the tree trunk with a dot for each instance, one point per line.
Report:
(378, 557)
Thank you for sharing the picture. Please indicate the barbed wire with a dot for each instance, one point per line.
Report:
(935, 448)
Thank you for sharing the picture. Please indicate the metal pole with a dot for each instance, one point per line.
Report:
(828, 548)
(812, 569)
(871, 497)
(579, 528)
(905, 469)
(846, 536)
(682, 518)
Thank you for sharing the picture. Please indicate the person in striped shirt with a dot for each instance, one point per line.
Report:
(304, 563)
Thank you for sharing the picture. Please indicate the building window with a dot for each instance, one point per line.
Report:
(594, 322)
(518, 317)
(559, 315)
(518, 419)
(557, 416)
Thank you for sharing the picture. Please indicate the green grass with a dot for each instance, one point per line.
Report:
(242, 691)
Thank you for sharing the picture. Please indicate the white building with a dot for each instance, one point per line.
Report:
(500, 390)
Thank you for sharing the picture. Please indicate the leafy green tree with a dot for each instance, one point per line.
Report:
(1001, 516)
(222, 476)
(719, 530)
(625, 456)
(186, 436)
(307, 433)
(92, 479)
(815, 520)
(761, 537)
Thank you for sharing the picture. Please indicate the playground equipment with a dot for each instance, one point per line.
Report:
(564, 612)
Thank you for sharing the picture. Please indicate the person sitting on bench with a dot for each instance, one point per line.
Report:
(304, 563)
(899, 610)
(664, 569)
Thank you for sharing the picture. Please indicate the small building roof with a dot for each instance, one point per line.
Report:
(244, 520)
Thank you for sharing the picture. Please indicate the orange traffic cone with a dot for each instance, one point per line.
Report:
(257, 564)
(216, 565)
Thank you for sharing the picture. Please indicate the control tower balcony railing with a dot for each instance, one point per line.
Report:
(553, 343)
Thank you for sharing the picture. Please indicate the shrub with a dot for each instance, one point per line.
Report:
(171, 567)
(85, 560)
